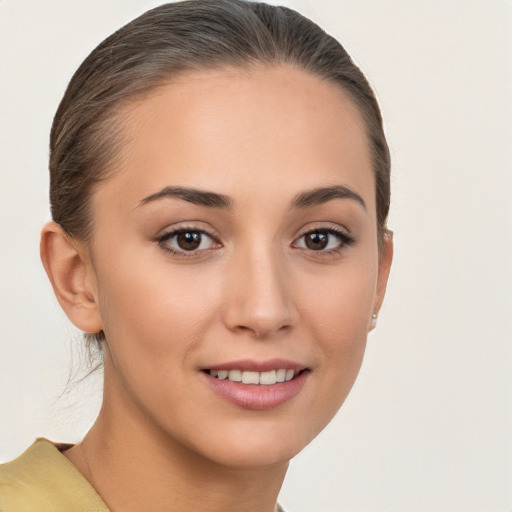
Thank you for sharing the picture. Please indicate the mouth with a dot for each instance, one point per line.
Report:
(257, 385)
(266, 378)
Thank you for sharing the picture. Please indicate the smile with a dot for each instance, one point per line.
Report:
(257, 385)
(267, 378)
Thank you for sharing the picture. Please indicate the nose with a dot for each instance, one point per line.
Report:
(258, 298)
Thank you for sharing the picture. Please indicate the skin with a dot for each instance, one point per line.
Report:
(164, 440)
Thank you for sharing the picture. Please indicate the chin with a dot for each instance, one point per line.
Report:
(253, 455)
(256, 444)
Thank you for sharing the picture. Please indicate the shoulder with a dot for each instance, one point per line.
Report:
(42, 479)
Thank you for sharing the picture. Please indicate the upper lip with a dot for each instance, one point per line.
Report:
(250, 365)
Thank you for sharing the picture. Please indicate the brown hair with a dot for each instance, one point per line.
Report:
(149, 51)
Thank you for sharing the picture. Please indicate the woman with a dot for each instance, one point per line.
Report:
(219, 195)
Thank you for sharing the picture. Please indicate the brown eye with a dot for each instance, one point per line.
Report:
(324, 240)
(316, 241)
(188, 240)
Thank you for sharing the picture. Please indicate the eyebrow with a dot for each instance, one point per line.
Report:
(322, 195)
(192, 195)
(306, 199)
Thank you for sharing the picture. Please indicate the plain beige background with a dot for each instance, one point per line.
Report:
(428, 425)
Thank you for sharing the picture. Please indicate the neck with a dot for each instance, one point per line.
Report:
(135, 466)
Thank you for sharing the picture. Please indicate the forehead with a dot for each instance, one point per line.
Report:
(240, 130)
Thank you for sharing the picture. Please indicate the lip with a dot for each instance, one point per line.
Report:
(257, 397)
(249, 365)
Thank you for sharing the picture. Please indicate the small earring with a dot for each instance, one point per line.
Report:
(373, 323)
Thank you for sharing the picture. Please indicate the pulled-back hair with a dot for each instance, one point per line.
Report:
(151, 50)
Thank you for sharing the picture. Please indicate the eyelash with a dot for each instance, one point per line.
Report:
(344, 239)
(163, 241)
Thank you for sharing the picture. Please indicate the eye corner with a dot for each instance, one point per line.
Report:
(188, 242)
(322, 243)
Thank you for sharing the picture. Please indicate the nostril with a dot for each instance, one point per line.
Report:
(262, 307)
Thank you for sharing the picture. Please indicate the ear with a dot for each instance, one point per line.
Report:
(72, 277)
(385, 260)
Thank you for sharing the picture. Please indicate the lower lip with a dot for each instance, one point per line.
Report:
(257, 397)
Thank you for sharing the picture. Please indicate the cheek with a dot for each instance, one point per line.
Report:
(154, 320)
(338, 317)
(153, 310)
(339, 305)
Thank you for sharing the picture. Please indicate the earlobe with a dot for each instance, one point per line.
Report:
(385, 260)
(70, 273)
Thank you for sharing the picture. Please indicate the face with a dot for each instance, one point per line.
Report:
(237, 241)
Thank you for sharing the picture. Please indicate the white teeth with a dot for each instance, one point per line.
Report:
(288, 375)
(268, 378)
(235, 375)
(264, 378)
(250, 377)
(280, 375)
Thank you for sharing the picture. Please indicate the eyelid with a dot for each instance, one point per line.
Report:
(344, 236)
(173, 231)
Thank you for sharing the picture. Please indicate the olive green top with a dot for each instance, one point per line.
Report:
(44, 480)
